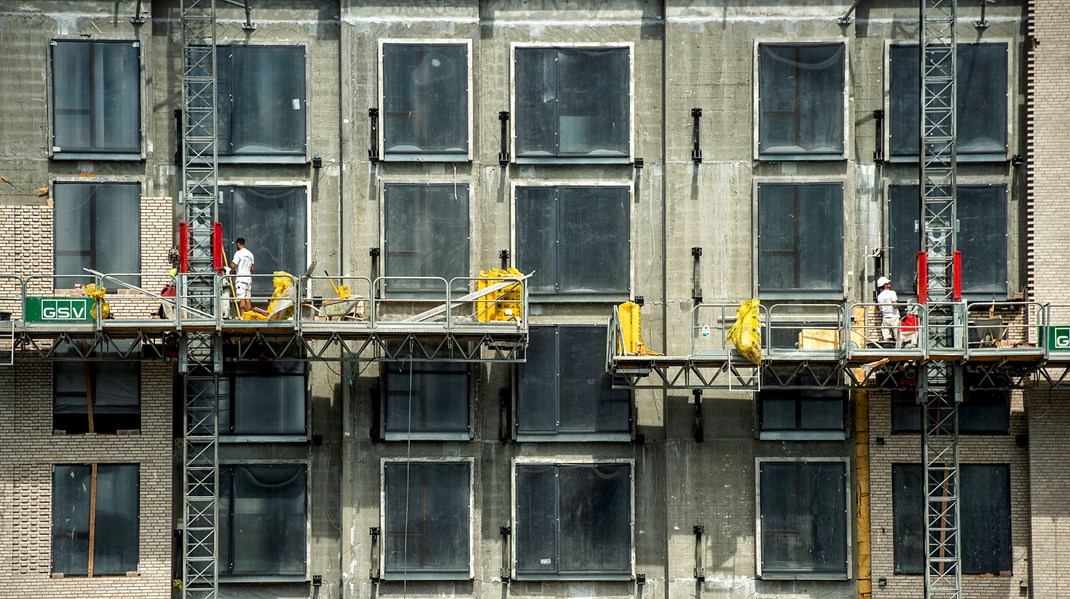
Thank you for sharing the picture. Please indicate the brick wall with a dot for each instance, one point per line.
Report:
(28, 449)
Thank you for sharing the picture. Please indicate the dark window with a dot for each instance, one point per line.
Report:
(573, 102)
(980, 110)
(575, 239)
(262, 520)
(982, 238)
(425, 99)
(800, 237)
(800, 98)
(273, 221)
(984, 518)
(113, 393)
(112, 530)
(573, 519)
(426, 235)
(803, 509)
(96, 95)
(982, 411)
(426, 397)
(263, 399)
(563, 386)
(801, 411)
(428, 519)
(97, 226)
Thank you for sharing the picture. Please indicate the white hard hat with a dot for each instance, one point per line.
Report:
(882, 281)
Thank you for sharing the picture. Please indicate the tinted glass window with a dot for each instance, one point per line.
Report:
(113, 392)
(264, 399)
(426, 229)
(428, 518)
(98, 510)
(97, 226)
(800, 98)
(96, 92)
(800, 237)
(803, 517)
(262, 100)
(425, 98)
(273, 221)
(262, 520)
(801, 410)
(426, 397)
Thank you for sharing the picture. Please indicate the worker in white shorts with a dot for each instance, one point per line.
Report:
(888, 302)
(243, 265)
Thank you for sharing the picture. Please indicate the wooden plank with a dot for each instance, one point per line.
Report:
(92, 516)
(89, 390)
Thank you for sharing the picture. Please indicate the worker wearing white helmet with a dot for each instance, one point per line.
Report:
(889, 305)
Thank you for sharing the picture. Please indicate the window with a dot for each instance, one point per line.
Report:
(426, 400)
(427, 520)
(803, 519)
(575, 239)
(265, 399)
(800, 101)
(573, 521)
(273, 221)
(982, 411)
(96, 99)
(801, 414)
(98, 226)
(984, 518)
(95, 519)
(425, 101)
(573, 102)
(982, 238)
(800, 237)
(425, 234)
(563, 387)
(980, 109)
(112, 403)
(262, 520)
(261, 101)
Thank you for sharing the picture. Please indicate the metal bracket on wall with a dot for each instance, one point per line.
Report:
(373, 127)
(138, 18)
(375, 430)
(878, 123)
(700, 570)
(503, 255)
(503, 154)
(700, 434)
(505, 397)
(982, 23)
(696, 289)
(373, 571)
(506, 571)
(696, 148)
(846, 19)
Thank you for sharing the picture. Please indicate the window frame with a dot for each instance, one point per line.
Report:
(50, 80)
(67, 180)
(470, 461)
(566, 460)
(93, 378)
(470, 375)
(757, 155)
(387, 156)
(613, 297)
(800, 434)
(838, 295)
(848, 524)
(231, 438)
(1012, 90)
(92, 532)
(897, 427)
(628, 159)
(281, 578)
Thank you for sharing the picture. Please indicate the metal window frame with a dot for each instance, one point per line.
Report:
(226, 437)
(630, 46)
(69, 179)
(388, 156)
(470, 375)
(848, 524)
(428, 575)
(92, 532)
(558, 461)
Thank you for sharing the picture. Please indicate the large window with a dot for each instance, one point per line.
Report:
(427, 517)
(800, 237)
(982, 411)
(801, 414)
(800, 101)
(803, 519)
(95, 519)
(573, 102)
(97, 226)
(425, 234)
(982, 238)
(262, 520)
(563, 387)
(575, 239)
(273, 221)
(425, 101)
(96, 97)
(984, 518)
(980, 107)
(573, 520)
(263, 400)
(426, 400)
(96, 397)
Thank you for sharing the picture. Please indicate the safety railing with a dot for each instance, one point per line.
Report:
(337, 300)
(710, 322)
(810, 330)
(867, 335)
(1054, 333)
(1005, 328)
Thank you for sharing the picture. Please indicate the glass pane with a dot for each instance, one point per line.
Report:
(985, 411)
(800, 237)
(537, 383)
(821, 410)
(908, 522)
(803, 517)
(264, 520)
(778, 411)
(268, 405)
(536, 101)
(595, 526)
(536, 236)
(115, 548)
(985, 519)
(592, 115)
(426, 397)
(427, 517)
(801, 98)
(906, 413)
(117, 388)
(96, 88)
(71, 489)
(982, 238)
(593, 240)
(588, 403)
(536, 519)
(425, 98)
(426, 235)
(273, 221)
(262, 92)
(97, 226)
(904, 237)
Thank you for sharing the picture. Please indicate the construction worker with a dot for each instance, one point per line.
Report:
(243, 265)
(888, 302)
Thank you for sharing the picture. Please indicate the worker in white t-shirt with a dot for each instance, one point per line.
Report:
(888, 302)
(244, 266)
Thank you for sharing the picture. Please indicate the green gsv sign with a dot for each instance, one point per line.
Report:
(59, 309)
(1056, 338)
